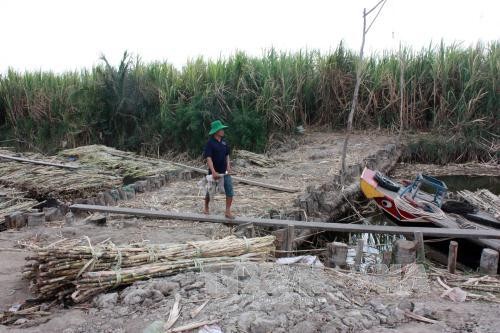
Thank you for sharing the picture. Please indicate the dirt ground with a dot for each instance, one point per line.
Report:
(268, 297)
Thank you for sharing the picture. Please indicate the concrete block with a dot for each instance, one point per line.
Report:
(100, 199)
(337, 254)
(108, 199)
(121, 194)
(140, 186)
(35, 219)
(69, 218)
(53, 214)
(404, 252)
(115, 194)
(489, 262)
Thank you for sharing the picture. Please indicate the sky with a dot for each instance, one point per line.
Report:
(60, 35)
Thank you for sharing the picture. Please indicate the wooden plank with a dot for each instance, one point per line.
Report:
(242, 180)
(25, 160)
(340, 227)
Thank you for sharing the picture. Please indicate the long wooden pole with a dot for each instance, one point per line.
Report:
(242, 180)
(25, 160)
(340, 227)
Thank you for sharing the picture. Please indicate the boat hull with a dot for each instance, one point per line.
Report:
(385, 200)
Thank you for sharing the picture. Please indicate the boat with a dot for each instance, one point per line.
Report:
(406, 203)
(420, 203)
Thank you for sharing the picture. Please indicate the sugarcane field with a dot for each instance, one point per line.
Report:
(232, 166)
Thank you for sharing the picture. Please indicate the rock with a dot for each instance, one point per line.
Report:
(196, 285)
(378, 307)
(245, 320)
(106, 300)
(21, 321)
(156, 326)
(122, 310)
(397, 315)
(135, 297)
(165, 287)
(304, 326)
(406, 305)
(263, 325)
(422, 310)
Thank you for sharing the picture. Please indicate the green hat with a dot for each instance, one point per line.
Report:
(216, 126)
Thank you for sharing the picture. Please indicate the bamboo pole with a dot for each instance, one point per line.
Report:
(242, 180)
(25, 160)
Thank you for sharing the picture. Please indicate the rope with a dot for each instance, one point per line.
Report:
(153, 254)
(403, 204)
(118, 273)
(198, 265)
(247, 244)
(92, 262)
(118, 258)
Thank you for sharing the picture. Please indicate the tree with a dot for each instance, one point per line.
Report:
(359, 71)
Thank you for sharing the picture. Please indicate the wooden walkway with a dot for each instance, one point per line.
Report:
(338, 227)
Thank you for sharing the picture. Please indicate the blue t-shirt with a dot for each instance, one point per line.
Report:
(218, 152)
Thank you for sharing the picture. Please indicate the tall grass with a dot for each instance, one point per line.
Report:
(155, 107)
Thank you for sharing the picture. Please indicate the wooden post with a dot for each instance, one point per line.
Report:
(252, 230)
(489, 262)
(359, 253)
(452, 257)
(337, 254)
(280, 235)
(290, 236)
(419, 239)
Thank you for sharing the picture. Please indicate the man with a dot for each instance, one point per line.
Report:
(217, 155)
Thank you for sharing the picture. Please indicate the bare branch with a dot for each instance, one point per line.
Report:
(373, 21)
(374, 7)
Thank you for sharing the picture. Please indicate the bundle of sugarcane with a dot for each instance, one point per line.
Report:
(42, 181)
(93, 283)
(125, 164)
(53, 271)
(258, 159)
(483, 199)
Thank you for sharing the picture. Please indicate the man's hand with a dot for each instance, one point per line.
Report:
(215, 175)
